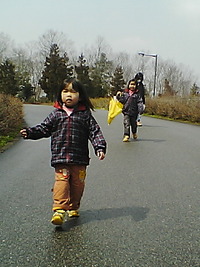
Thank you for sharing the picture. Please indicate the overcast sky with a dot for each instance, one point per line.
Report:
(169, 28)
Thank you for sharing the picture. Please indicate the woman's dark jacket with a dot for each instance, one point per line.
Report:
(141, 91)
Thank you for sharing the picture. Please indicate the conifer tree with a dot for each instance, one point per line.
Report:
(117, 82)
(101, 75)
(8, 80)
(82, 70)
(23, 76)
(56, 70)
(26, 91)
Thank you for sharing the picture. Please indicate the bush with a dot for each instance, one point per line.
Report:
(100, 102)
(11, 114)
(177, 108)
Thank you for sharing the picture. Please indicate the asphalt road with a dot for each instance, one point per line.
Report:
(141, 205)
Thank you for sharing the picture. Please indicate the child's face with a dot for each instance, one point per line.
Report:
(132, 86)
(69, 96)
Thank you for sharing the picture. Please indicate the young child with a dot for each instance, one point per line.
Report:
(70, 126)
(133, 105)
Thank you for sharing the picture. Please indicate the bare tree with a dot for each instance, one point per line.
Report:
(43, 46)
(36, 67)
(6, 46)
(94, 52)
(124, 59)
(51, 37)
(180, 79)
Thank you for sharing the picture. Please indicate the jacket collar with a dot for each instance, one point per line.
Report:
(80, 106)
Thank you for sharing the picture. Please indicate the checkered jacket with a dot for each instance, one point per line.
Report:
(70, 135)
(132, 103)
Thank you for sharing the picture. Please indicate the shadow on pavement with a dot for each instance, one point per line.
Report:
(152, 126)
(137, 214)
(151, 140)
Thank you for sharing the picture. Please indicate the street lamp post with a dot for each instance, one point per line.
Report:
(156, 65)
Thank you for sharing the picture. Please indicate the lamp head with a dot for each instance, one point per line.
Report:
(141, 54)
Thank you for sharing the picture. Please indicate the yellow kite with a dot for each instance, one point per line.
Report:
(115, 108)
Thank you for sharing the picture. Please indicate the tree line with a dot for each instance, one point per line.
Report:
(41, 67)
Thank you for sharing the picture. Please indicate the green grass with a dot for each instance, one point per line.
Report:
(8, 139)
(170, 119)
(4, 140)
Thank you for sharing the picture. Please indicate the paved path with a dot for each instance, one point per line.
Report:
(141, 206)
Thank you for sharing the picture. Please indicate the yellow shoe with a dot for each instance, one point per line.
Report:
(73, 213)
(135, 136)
(58, 217)
(126, 138)
(139, 123)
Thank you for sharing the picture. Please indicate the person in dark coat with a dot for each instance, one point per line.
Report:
(139, 78)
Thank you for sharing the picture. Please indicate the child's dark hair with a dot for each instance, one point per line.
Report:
(132, 80)
(78, 87)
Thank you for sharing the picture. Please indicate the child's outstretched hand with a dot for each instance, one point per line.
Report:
(23, 133)
(101, 155)
(119, 93)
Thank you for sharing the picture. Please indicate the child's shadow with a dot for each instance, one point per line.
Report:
(137, 214)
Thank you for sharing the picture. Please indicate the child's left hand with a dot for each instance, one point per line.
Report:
(101, 155)
(23, 133)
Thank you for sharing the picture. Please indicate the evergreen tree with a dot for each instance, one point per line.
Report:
(56, 70)
(8, 80)
(97, 83)
(26, 91)
(101, 76)
(82, 70)
(23, 76)
(117, 82)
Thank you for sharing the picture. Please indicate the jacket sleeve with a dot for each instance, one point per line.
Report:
(42, 130)
(122, 98)
(96, 136)
(142, 92)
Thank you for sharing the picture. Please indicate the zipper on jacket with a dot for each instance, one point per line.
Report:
(69, 121)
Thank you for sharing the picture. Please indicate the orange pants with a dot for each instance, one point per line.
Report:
(68, 187)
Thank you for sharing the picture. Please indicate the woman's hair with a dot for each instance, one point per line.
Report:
(139, 76)
(78, 87)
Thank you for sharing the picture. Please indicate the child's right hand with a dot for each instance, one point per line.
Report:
(100, 155)
(23, 133)
(119, 93)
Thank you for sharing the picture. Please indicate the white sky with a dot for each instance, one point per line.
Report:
(169, 28)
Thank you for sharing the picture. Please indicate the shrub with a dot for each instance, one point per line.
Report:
(177, 108)
(100, 102)
(11, 114)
